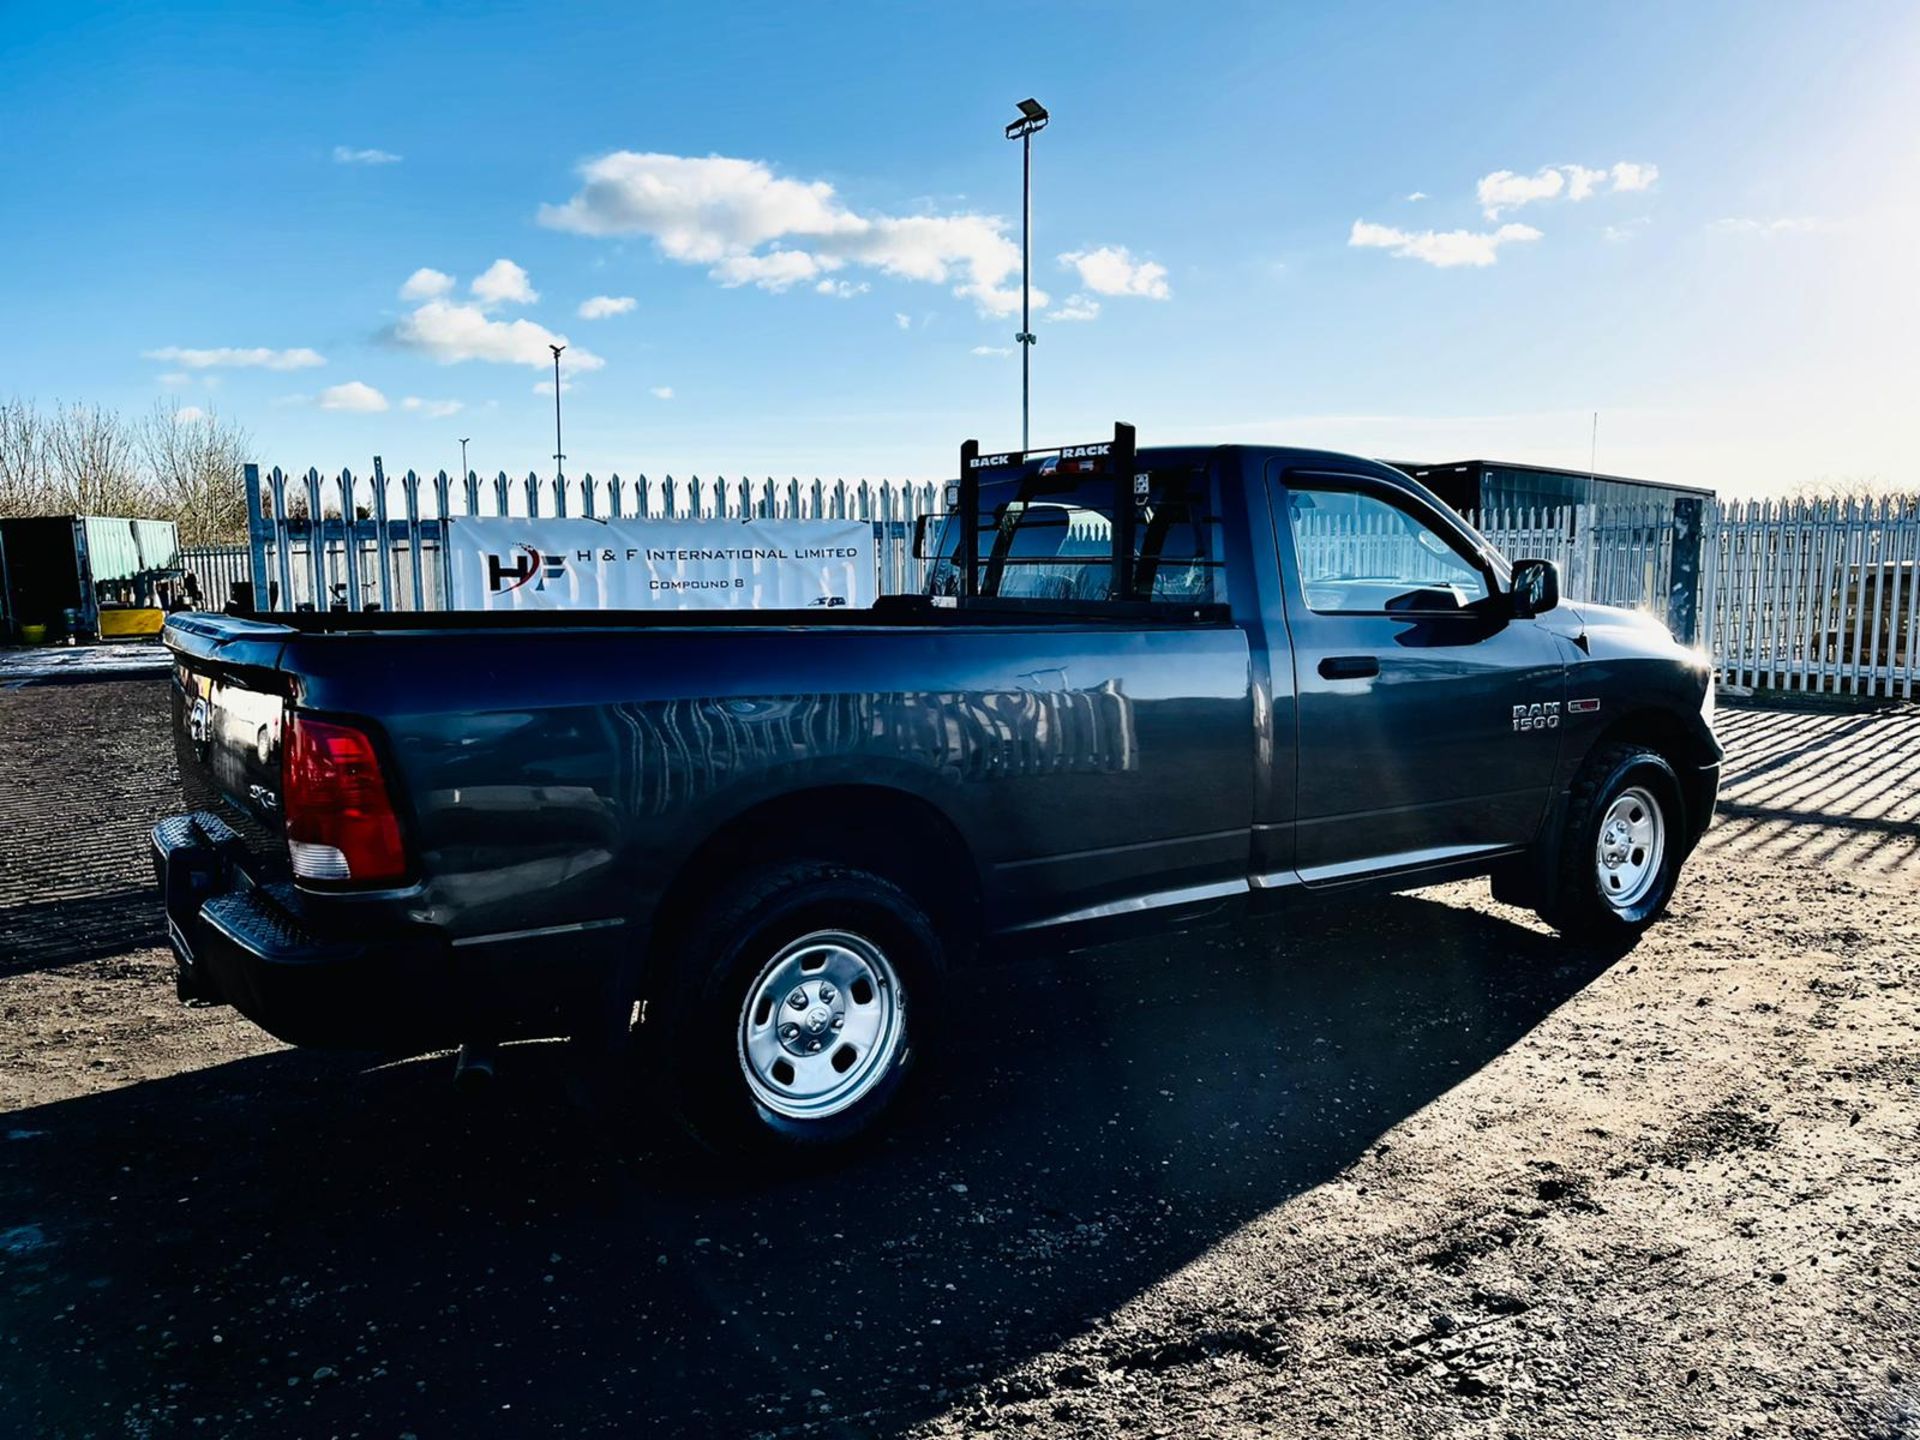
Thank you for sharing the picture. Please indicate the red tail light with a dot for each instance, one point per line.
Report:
(340, 820)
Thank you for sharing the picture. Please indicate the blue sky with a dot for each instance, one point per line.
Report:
(1696, 219)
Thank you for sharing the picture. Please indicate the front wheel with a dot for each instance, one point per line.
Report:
(797, 1002)
(1621, 849)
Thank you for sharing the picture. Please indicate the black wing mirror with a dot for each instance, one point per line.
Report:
(925, 530)
(1536, 587)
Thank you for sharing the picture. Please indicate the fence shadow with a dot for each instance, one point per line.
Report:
(54, 933)
(214, 1241)
(1822, 787)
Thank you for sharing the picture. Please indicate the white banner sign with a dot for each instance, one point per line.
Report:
(521, 564)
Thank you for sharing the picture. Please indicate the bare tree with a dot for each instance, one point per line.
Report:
(1846, 488)
(95, 464)
(26, 474)
(195, 464)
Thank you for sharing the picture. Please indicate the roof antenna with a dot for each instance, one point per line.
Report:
(1593, 453)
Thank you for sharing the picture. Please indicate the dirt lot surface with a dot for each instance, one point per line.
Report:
(1403, 1169)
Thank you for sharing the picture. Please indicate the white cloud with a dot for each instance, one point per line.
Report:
(775, 270)
(1078, 307)
(1416, 196)
(1629, 176)
(842, 289)
(1112, 270)
(545, 387)
(354, 395)
(1581, 181)
(1442, 248)
(347, 155)
(503, 283)
(662, 392)
(426, 284)
(1627, 230)
(432, 409)
(905, 322)
(1779, 225)
(187, 414)
(230, 357)
(992, 350)
(602, 306)
(176, 379)
(1505, 190)
(450, 332)
(750, 226)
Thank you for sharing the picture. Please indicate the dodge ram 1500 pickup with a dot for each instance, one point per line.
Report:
(738, 851)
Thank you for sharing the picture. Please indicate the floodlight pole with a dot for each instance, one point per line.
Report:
(559, 459)
(463, 458)
(1026, 289)
(1033, 118)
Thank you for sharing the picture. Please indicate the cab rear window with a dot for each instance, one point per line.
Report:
(1050, 537)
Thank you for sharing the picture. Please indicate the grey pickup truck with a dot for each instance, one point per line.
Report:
(733, 854)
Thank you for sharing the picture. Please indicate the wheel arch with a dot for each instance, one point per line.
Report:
(893, 832)
(1684, 741)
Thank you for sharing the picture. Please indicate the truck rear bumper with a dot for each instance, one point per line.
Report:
(239, 943)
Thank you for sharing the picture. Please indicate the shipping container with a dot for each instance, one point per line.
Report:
(102, 568)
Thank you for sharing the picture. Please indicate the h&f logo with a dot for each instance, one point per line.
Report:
(527, 564)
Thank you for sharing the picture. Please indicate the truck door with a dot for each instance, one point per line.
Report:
(1419, 740)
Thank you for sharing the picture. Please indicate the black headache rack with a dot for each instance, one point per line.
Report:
(1114, 457)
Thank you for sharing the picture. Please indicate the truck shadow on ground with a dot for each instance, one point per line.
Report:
(299, 1243)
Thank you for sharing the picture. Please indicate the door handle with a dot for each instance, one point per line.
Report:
(1349, 667)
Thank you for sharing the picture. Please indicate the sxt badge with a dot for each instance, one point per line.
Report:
(1537, 717)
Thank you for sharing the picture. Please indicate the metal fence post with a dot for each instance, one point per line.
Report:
(410, 487)
(350, 529)
(380, 526)
(257, 533)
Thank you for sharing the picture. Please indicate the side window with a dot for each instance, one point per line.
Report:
(1050, 538)
(1362, 554)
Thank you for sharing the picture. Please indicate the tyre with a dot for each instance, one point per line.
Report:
(795, 1005)
(1621, 849)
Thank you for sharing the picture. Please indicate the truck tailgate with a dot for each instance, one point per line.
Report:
(228, 707)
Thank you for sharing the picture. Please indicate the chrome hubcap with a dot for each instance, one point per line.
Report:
(822, 1024)
(1632, 844)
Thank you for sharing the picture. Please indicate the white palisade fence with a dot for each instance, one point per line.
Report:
(396, 561)
(1817, 596)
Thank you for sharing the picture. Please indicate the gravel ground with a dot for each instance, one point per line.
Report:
(1410, 1171)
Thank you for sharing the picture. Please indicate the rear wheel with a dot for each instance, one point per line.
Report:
(796, 1004)
(1621, 850)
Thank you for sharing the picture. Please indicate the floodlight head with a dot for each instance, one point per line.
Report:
(1033, 118)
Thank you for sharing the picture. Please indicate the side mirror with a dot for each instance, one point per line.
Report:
(1536, 587)
(924, 532)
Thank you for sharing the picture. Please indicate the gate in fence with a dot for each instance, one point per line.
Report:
(1819, 596)
(319, 542)
(216, 569)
